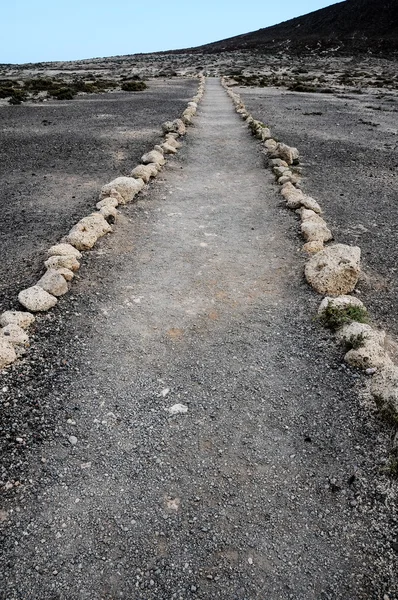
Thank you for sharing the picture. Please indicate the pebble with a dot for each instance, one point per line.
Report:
(72, 440)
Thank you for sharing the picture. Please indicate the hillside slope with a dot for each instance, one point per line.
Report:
(353, 25)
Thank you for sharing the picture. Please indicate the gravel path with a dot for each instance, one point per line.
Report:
(56, 156)
(349, 148)
(270, 486)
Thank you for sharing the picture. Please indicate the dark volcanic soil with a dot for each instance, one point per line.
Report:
(349, 150)
(55, 157)
(345, 27)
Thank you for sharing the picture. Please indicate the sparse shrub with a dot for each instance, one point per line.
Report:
(63, 93)
(134, 86)
(17, 97)
(355, 342)
(391, 469)
(334, 317)
(6, 91)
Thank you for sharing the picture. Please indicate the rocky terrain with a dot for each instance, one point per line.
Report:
(349, 27)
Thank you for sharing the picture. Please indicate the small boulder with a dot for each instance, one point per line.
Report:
(108, 201)
(17, 317)
(384, 389)
(36, 299)
(270, 145)
(340, 302)
(126, 187)
(335, 270)
(315, 229)
(176, 126)
(62, 262)
(53, 283)
(169, 149)
(15, 335)
(145, 172)
(292, 195)
(367, 345)
(313, 247)
(153, 157)
(280, 171)
(63, 250)
(172, 141)
(7, 353)
(66, 273)
(289, 178)
(290, 155)
(311, 204)
(278, 162)
(109, 213)
(265, 134)
(86, 232)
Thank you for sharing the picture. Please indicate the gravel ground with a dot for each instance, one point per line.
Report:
(270, 486)
(349, 149)
(55, 156)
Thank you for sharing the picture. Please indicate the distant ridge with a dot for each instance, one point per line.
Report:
(347, 27)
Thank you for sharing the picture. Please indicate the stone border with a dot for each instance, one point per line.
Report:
(332, 270)
(63, 258)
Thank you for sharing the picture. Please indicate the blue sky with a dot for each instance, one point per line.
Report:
(44, 30)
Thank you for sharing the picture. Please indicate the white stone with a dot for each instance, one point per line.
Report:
(153, 157)
(36, 299)
(62, 262)
(53, 283)
(15, 335)
(126, 187)
(109, 213)
(384, 389)
(311, 204)
(265, 134)
(313, 247)
(315, 229)
(176, 126)
(278, 162)
(172, 141)
(335, 270)
(177, 409)
(63, 250)
(288, 177)
(17, 317)
(86, 232)
(290, 155)
(340, 302)
(145, 172)
(168, 149)
(7, 353)
(66, 273)
(371, 352)
(292, 195)
(270, 145)
(108, 201)
(280, 171)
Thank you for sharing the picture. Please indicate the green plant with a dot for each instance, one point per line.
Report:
(334, 317)
(17, 97)
(391, 468)
(355, 341)
(63, 93)
(133, 86)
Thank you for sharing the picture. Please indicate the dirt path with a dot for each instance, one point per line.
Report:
(269, 486)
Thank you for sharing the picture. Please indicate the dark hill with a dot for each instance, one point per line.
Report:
(347, 27)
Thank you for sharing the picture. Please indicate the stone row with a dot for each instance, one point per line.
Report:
(333, 270)
(63, 258)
